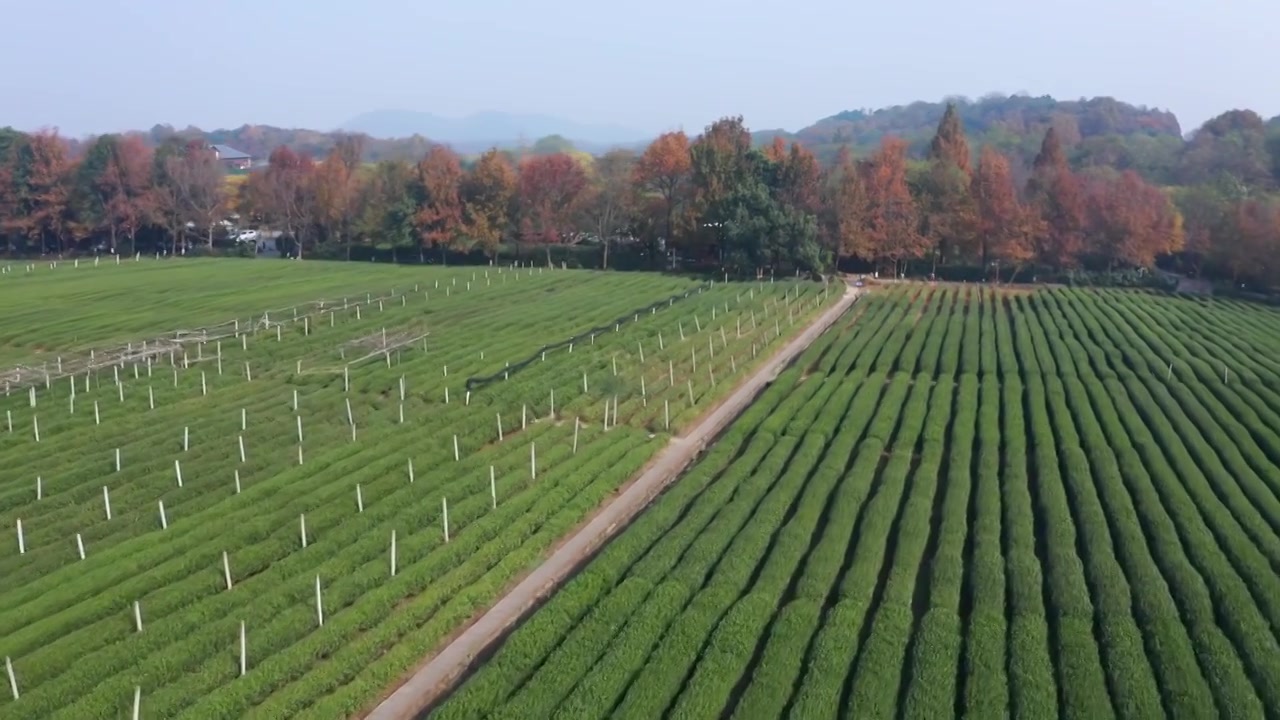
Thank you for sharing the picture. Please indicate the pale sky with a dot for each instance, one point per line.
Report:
(653, 65)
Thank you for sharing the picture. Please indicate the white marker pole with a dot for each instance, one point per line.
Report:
(137, 616)
(499, 427)
(244, 651)
(456, 457)
(493, 488)
(22, 543)
(164, 521)
(575, 435)
(533, 461)
(106, 501)
(13, 680)
(237, 482)
(39, 488)
(186, 438)
(393, 553)
(444, 505)
(410, 470)
(80, 545)
(299, 419)
(359, 499)
(226, 569)
(240, 440)
(177, 471)
(302, 528)
(117, 459)
(137, 702)
(319, 605)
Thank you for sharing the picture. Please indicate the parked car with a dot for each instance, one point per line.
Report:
(248, 236)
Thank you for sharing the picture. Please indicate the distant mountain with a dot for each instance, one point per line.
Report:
(485, 129)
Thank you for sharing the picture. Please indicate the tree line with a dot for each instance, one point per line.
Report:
(713, 199)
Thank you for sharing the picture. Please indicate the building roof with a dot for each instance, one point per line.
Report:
(226, 152)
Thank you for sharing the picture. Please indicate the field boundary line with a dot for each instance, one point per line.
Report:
(434, 679)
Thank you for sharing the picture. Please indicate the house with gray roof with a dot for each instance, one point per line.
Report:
(232, 158)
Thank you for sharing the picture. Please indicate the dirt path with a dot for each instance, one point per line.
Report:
(438, 675)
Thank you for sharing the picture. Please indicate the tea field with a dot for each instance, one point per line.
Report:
(237, 489)
(968, 503)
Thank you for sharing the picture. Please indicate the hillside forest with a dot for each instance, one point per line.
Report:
(1002, 189)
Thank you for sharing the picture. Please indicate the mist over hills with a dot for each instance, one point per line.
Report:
(490, 128)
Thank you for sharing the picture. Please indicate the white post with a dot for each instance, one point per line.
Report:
(35, 425)
(151, 398)
(106, 501)
(120, 392)
(13, 680)
(553, 403)
(493, 488)
(137, 616)
(671, 374)
(226, 569)
(299, 454)
(644, 395)
(359, 499)
(666, 414)
(302, 528)
(39, 487)
(177, 471)
(350, 418)
(319, 605)
(640, 346)
(661, 345)
(31, 392)
(524, 417)
(446, 395)
(1170, 375)
(137, 702)
(244, 420)
(240, 441)
(186, 438)
(455, 448)
(346, 378)
(117, 459)
(80, 545)
(614, 359)
(411, 470)
(299, 422)
(164, 521)
(401, 388)
(693, 353)
(393, 553)
(690, 382)
(575, 435)
(401, 412)
(204, 386)
(533, 461)
(295, 400)
(444, 505)
(584, 382)
(237, 482)
(22, 543)
(244, 651)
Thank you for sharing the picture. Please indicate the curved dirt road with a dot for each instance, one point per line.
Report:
(438, 675)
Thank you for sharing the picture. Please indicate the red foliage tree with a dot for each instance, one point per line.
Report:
(550, 191)
(891, 222)
(665, 169)
(1004, 234)
(488, 192)
(440, 217)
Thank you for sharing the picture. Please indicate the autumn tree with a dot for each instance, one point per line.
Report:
(844, 208)
(440, 213)
(947, 212)
(285, 193)
(487, 194)
(1054, 192)
(610, 198)
(195, 187)
(799, 179)
(39, 178)
(892, 225)
(335, 185)
(665, 169)
(1131, 222)
(1004, 227)
(387, 207)
(551, 191)
(113, 186)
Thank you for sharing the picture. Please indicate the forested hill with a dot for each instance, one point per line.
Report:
(1014, 124)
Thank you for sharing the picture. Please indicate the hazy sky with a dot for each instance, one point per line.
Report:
(651, 65)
